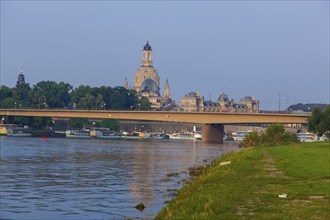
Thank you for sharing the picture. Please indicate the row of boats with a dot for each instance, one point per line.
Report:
(106, 134)
(302, 137)
(103, 133)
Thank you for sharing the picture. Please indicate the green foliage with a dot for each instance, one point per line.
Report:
(5, 92)
(251, 139)
(34, 122)
(51, 94)
(21, 91)
(275, 134)
(112, 124)
(78, 123)
(23, 121)
(41, 122)
(144, 104)
(319, 122)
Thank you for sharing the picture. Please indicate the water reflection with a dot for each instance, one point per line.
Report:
(94, 179)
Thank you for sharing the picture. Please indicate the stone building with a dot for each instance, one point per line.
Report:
(194, 102)
(146, 82)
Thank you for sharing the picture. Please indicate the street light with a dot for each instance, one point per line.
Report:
(15, 104)
(104, 106)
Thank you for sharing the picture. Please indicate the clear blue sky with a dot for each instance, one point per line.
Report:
(255, 48)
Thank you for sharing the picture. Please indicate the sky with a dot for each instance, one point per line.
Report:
(276, 51)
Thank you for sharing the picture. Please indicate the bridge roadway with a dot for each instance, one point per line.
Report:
(213, 121)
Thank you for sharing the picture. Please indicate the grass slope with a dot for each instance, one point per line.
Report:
(248, 188)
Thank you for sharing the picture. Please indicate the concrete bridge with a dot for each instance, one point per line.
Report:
(213, 122)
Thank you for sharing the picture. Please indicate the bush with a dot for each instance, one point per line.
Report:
(275, 134)
(251, 139)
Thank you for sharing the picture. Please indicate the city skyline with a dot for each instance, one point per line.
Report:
(269, 50)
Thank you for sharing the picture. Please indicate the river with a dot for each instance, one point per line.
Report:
(60, 178)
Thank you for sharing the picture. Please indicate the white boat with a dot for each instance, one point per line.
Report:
(158, 136)
(77, 134)
(239, 135)
(134, 135)
(198, 136)
(108, 135)
(306, 137)
(18, 132)
(182, 136)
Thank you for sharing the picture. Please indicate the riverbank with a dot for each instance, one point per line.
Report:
(268, 182)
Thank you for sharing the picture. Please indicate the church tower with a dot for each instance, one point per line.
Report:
(21, 78)
(146, 72)
(167, 94)
(126, 83)
(147, 55)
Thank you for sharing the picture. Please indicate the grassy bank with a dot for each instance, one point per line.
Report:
(249, 187)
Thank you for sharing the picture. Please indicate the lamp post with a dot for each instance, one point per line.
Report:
(279, 103)
(15, 104)
(104, 106)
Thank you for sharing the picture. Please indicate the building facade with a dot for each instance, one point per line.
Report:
(193, 102)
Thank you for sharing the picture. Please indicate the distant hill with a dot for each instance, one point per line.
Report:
(305, 107)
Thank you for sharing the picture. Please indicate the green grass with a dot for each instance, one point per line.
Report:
(248, 188)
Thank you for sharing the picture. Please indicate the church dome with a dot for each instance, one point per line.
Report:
(147, 47)
(149, 85)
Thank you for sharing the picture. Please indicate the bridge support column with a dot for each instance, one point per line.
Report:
(10, 120)
(212, 133)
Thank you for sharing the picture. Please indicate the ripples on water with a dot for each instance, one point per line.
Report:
(94, 179)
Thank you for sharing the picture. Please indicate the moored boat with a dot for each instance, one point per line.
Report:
(182, 136)
(157, 136)
(306, 137)
(5, 127)
(239, 135)
(77, 134)
(18, 132)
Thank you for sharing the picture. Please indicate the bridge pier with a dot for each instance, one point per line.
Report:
(212, 133)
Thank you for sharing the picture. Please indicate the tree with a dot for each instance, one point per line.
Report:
(108, 123)
(144, 104)
(78, 123)
(319, 122)
(50, 93)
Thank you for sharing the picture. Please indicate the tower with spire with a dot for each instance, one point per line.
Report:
(126, 83)
(167, 94)
(146, 82)
(146, 71)
(21, 78)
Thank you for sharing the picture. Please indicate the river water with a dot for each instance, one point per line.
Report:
(95, 179)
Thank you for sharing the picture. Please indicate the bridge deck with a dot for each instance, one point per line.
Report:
(193, 117)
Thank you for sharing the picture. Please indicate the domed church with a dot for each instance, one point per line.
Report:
(146, 81)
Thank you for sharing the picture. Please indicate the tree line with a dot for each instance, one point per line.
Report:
(53, 95)
(50, 94)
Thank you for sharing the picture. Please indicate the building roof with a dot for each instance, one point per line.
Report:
(149, 85)
(147, 47)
